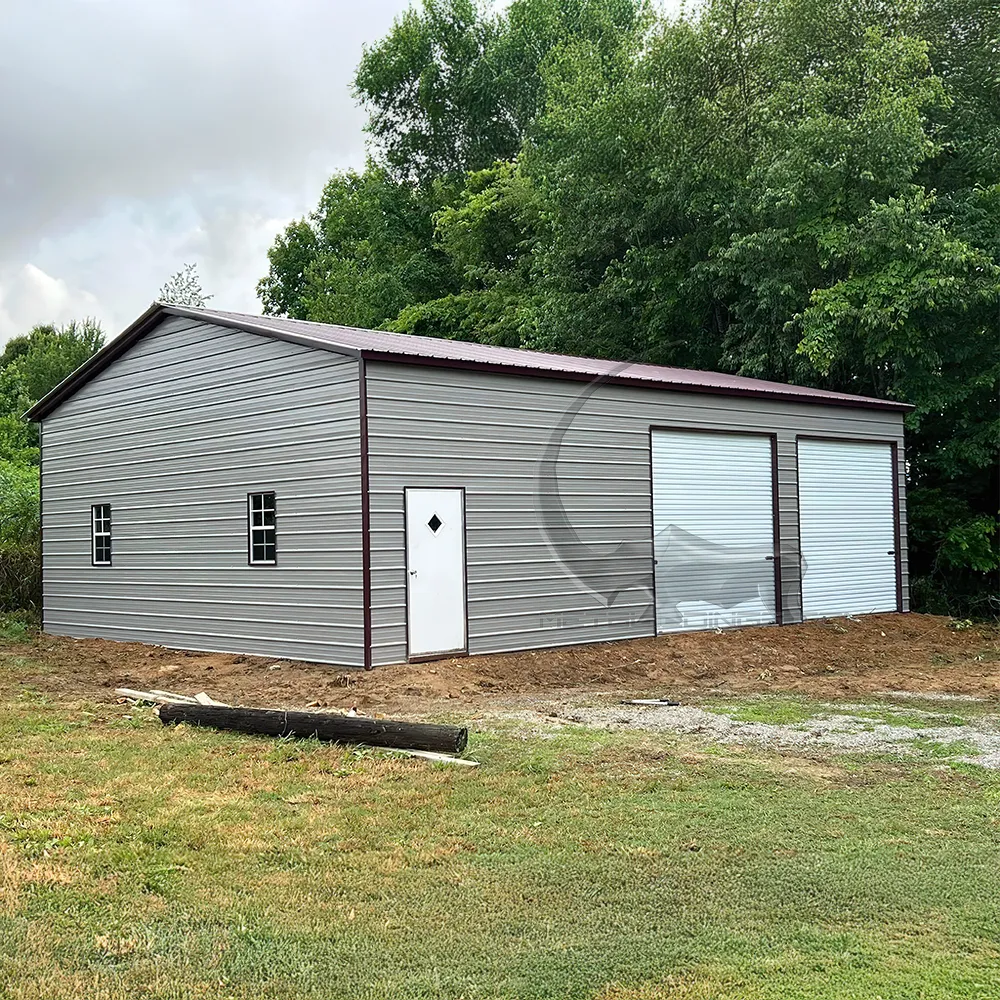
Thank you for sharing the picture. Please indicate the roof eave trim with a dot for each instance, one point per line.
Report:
(263, 329)
(858, 402)
(95, 363)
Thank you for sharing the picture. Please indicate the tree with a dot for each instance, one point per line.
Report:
(487, 236)
(31, 366)
(184, 288)
(364, 254)
(431, 95)
(453, 89)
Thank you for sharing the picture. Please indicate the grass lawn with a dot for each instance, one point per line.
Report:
(144, 861)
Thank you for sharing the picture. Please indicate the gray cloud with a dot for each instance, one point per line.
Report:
(139, 135)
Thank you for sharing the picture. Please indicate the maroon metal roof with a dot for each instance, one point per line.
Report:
(400, 347)
(379, 344)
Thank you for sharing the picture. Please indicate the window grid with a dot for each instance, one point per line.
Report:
(262, 536)
(100, 528)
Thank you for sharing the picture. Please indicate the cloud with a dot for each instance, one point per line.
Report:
(139, 136)
(30, 297)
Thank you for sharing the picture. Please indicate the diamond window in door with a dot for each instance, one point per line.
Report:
(434, 523)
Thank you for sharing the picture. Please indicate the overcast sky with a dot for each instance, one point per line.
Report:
(138, 135)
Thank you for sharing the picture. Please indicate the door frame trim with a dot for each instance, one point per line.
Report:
(444, 654)
(775, 512)
(896, 511)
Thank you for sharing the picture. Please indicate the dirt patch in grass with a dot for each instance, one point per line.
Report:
(838, 658)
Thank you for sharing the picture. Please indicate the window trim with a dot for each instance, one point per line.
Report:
(95, 534)
(251, 528)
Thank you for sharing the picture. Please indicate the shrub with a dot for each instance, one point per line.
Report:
(20, 558)
(20, 578)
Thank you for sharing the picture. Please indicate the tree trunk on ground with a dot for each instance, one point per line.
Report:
(323, 726)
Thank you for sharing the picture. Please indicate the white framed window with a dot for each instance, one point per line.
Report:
(262, 534)
(100, 534)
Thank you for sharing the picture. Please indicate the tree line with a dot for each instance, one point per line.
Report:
(799, 190)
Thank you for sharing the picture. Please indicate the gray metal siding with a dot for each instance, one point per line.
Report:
(173, 435)
(437, 427)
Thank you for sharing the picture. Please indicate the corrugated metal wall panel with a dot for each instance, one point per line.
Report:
(526, 590)
(174, 435)
(846, 520)
(200, 402)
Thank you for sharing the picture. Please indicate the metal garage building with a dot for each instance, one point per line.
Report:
(218, 481)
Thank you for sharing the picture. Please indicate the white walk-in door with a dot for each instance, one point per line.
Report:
(847, 527)
(713, 528)
(435, 571)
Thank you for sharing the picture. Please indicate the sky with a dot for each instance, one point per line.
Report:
(137, 136)
(140, 135)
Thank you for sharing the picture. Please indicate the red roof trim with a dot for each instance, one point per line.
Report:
(812, 399)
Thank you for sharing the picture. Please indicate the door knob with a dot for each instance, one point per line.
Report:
(413, 572)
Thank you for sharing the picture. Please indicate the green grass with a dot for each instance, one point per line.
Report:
(953, 748)
(144, 861)
(910, 719)
(775, 711)
(17, 625)
(782, 710)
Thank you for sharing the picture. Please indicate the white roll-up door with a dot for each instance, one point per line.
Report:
(713, 529)
(847, 527)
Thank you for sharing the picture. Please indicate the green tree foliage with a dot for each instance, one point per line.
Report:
(20, 563)
(30, 367)
(19, 503)
(803, 190)
(454, 88)
(364, 254)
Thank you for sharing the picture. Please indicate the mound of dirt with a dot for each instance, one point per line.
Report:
(836, 658)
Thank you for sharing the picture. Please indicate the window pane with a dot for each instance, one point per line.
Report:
(100, 528)
(261, 528)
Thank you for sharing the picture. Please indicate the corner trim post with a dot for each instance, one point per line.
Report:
(366, 546)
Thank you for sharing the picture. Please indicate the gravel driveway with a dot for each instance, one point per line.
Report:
(877, 728)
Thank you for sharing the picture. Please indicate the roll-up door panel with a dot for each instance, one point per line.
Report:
(847, 527)
(713, 529)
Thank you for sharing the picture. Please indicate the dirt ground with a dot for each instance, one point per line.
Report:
(836, 658)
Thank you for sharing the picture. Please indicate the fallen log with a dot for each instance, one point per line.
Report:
(322, 726)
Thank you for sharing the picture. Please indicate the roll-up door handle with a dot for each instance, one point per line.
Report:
(891, 552)
(769, 558)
